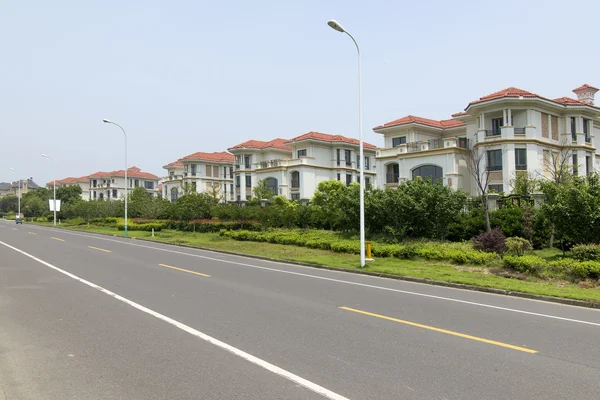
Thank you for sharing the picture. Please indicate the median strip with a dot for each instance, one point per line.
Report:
(184, 270)
(55, 238)
(98, 248)
(447, 332)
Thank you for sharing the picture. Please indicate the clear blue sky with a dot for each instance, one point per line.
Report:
(184, 76)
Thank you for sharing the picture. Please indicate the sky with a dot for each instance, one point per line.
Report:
(183, 76)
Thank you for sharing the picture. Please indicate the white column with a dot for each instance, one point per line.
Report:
(242, 186)
(504, 122)
(509, 121)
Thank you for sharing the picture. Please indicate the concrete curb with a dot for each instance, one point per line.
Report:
(551, 299)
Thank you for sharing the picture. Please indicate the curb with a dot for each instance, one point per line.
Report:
(550, 299)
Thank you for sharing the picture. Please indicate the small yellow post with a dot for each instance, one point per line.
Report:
(369, 250)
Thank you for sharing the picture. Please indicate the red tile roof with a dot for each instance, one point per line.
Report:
(411, 119)
(133, 172)
(570, 102)
(325, 137)
(508, 92)
(584, 87)
(221, 156)
(174, 164)
(459, 114)
(69, 180)
(259, 144)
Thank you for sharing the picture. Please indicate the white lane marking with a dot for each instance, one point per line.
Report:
(240, 353)
(345, 282)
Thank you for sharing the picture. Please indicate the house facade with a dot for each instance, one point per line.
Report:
(111, 185)
(513, 131)
(83, 182)
(210, 173)
(294, 168)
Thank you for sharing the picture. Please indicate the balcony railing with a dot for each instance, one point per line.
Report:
(237, 166)
(392, 178)
(588, 139)
(493, 132)
(519, 131)
(269, 164)
(295, 184)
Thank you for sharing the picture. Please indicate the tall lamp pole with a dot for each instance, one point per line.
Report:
(53, 185)
(106, 121)
(335, 25)
(19, 195)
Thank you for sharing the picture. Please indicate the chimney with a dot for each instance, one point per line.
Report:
(586, 93)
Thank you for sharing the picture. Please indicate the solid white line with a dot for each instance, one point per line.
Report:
(344, 282)
(240, 353)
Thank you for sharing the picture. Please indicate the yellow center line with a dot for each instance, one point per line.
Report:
(431, 328)
(32, 233)
(184, 270)
(98, 248)
(55, 238)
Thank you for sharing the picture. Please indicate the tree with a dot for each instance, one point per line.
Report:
(262, 190)
(9, 203)
(213, 189)
(327, 198)
(524, 184)
(193, 206)
(476, 162)
(138, 201)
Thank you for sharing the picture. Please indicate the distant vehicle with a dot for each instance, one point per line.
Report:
(19, 220)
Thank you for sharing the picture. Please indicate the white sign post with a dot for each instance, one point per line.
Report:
(51, 202)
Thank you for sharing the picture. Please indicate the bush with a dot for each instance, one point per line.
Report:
(586, 252)
(490, 242)
(141, 227)
(516, 246)
(528, 264)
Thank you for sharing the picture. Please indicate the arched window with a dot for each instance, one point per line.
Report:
(273, 186)
(295, 180)
(429, 172)
(174, 195)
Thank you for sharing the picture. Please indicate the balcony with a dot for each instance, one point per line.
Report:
(237, 166)
(392, 178)
(269, 164)
(493, 132)
(425, 145)
(295, 184)
(588, 139)
(519, 131)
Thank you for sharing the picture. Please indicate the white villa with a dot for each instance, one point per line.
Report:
(294, 168)
(111, 185)
(210, 173)
(83, 182)
(519, 130)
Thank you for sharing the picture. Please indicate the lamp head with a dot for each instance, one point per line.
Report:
(335, 25)
(107, 121)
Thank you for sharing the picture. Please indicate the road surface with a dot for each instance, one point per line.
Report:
(84, 316)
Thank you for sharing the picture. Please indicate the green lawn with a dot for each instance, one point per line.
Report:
(439, 271)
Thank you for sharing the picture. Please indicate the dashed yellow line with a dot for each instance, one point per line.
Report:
(184, 270)
(98, 248)
(447, 332)
(14, 229)
(32, 233)
(55, 238)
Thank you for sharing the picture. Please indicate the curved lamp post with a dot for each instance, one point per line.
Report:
(335, 25)
(106, 121)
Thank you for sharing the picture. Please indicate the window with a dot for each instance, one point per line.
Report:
(496, 126)
(95, 195)
(95, 183)
(295, 180)
(209, 170)
(496, 188)
(137, 183)
(358, 161)
(115, 195)
(393, 176)
(193, 187)
(113, 181)
(367, 183)
(174, 194)
(295, 196)
(248, 181)
(586, 130)
(231, 188)
(193, 169)
(216, 171)
(171, 175)
(574, 129)
(231, 172)
(367, 163)
(247, 162)
(575, 164)
(397, 141)
(337, 157)
(302, 153)
(149, 185)
(348, 179)
(237, 181)
(429, 172)
(348, 157)
(494, 160)
(521, 159)
(588, 165)
(339, 178)
(273, 186)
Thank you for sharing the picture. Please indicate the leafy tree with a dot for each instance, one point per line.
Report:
(69, 194)
(328, 200)
(9, 203)
(193, 206)
(262, 190)
(139, 200)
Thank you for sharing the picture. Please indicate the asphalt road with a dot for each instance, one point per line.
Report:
(84, 316)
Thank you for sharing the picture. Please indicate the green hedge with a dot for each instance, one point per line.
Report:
(586, 252)
(210, 226)
(567, 268)
(141, 227)
(327, 240)
(108, 221)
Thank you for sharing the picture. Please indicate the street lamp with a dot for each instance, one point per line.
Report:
(19, 196)
(335, 25)
(106, 121)
(53, 185)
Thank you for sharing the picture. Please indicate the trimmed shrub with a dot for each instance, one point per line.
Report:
(490, 242)
(516, 246)
(528, 264)
(141, 227)
(584, 252)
